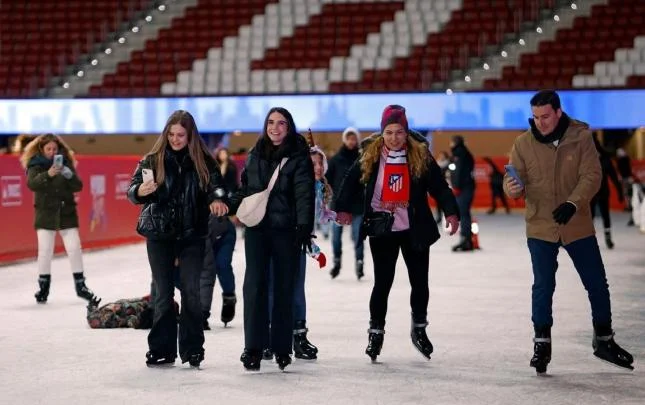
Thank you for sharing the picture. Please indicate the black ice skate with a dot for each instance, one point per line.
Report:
(302, 347)
(283, 360)
(195, 359)
(608, 241)
(251, 359)
(359, 269)
(154, 359)
(374, 340)
(465, 245)
(606, 348)
(44, 281)
(228, 308)
(420, 339)
(541, 351)
(81, 289)
(335, 271)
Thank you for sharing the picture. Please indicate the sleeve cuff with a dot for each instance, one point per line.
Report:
(574, 204)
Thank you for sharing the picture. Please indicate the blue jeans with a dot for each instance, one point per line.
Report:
(586, 258)
(464, 202)
(336, 238)
(299, 299)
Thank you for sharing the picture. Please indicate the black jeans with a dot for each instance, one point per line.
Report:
(163, 335)
(263, 247)
(601, 200)
(465, 202)
(385, 252)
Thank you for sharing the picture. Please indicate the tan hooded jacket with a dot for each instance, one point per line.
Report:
(553, 175)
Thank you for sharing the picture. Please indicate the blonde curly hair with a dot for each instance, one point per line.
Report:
(37, 146)
(418, 157)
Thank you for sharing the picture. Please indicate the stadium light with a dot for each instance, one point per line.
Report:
(148, 18)
(467, 79)
(135, 29)
(122, 40)
(95, 62)
(522, 42)
(162, 7)
(486, 66)
(504, 54)
(538, 30)
(108, 51)
(556, 18)
(574, 6)
(80, 73)
(449, 92)
(66, 85)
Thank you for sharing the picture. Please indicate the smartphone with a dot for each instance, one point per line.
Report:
(58, 160)
(510, 170)
(147, 175)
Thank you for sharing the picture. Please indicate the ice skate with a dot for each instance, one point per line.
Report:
(154, 359)
(606, 349)
(228, 308)
(359, 269)
(267, 354)
(336, 269)
(374, 341)
(541, 351)
(420, 339)
(81, 289)
(251, 359)
(608, 241)
(44, 281)
(466, 245)
(283, 360)
(195, 359)
(302, 347)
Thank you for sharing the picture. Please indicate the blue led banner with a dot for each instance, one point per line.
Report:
(459, 111)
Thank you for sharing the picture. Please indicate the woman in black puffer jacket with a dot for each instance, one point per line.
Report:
(278, 238)
(186, 187)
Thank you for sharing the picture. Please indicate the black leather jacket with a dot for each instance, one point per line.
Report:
(179, 209)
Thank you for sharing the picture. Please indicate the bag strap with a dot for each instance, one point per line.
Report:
(274, 177)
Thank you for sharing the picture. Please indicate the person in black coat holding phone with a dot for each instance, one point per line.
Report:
(284, 231)
(187, 187)
(398, 172)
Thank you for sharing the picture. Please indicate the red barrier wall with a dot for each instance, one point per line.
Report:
(106, 217)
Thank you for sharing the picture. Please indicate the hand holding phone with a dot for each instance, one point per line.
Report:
(511, 171)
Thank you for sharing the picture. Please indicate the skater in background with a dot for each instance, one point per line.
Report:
(51, 175)
(339, 164)
(278, 239)
(558, 215)
(398, 172)
(463, 186)
(228, 170)
(496, 187)
(624, 165)
(184, 188)
(601, 199)
(218, 264)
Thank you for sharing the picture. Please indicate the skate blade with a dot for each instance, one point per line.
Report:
(163, 365)
(618, 366)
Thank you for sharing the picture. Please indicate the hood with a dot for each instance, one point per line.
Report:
(351, 130)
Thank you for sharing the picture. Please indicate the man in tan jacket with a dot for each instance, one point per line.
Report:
(557, 171)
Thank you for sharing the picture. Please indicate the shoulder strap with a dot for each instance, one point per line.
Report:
(274, 177)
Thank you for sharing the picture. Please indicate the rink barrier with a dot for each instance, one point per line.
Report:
(107, 218)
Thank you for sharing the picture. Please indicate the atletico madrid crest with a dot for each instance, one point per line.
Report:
(396, 182)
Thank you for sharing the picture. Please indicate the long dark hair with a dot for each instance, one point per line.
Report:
(266, 146)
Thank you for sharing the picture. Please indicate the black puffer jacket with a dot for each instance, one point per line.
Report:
(179, 209)
(291, 202)
(423, 228)
(339, 164)
(462, 176)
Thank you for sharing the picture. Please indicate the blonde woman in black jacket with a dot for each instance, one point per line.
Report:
(187, 187)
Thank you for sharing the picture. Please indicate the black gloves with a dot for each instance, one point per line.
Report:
(564, 212)
(303, 238)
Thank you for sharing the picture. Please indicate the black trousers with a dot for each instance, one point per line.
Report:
(263, 246)
(163, 335)
(601, 200)
(385, 252)
(497, 191)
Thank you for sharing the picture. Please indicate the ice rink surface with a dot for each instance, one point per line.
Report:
(479, 317)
